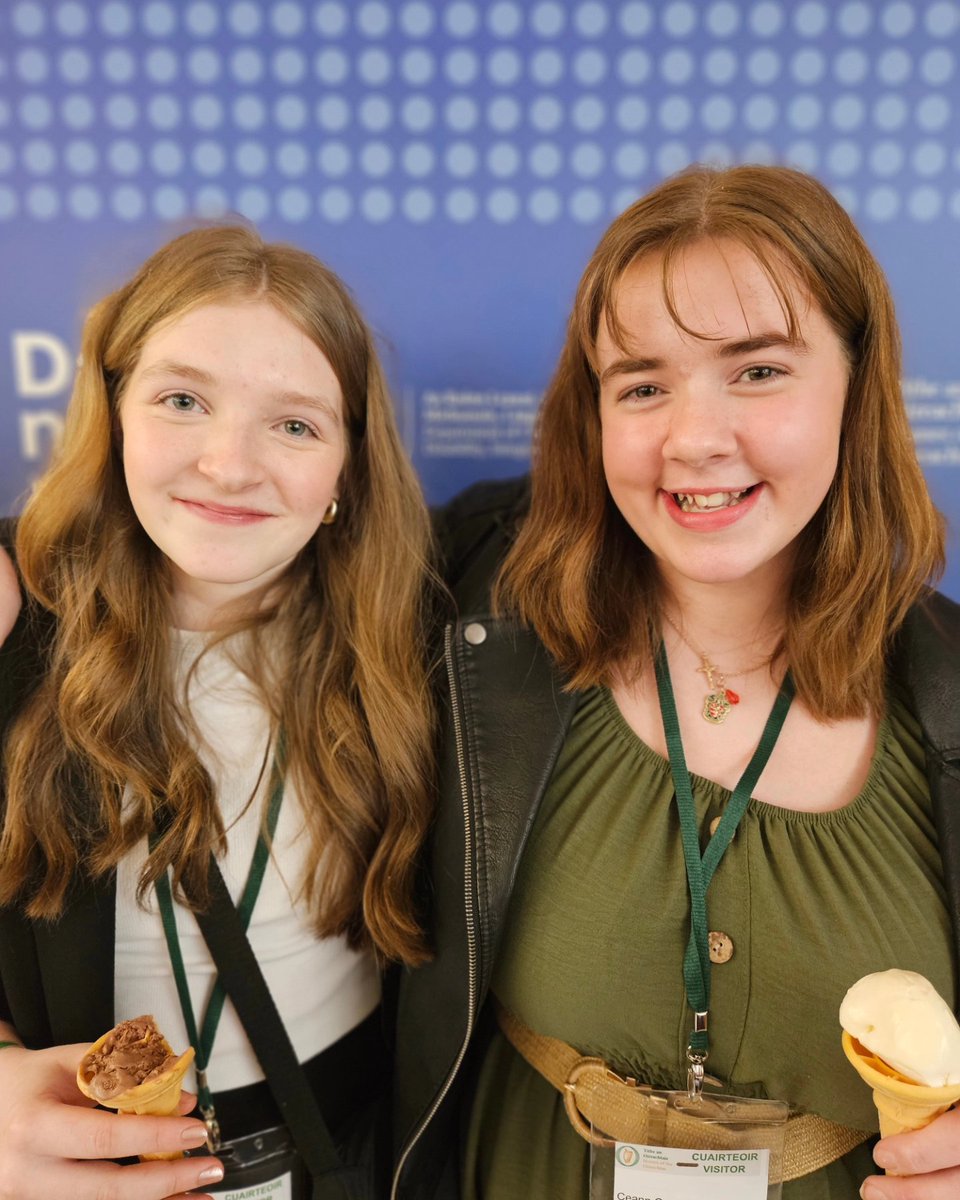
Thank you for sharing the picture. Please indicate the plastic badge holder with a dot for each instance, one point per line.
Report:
(261, 1166)
(713, 1147)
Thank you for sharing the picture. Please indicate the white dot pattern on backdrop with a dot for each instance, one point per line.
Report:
(465, 110)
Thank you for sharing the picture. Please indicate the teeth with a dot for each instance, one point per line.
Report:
(700, 501)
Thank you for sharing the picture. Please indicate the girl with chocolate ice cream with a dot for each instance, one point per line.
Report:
(220, 658)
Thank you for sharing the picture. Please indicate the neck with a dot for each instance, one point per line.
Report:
(729, 618)
(204, 607)
(196, 611)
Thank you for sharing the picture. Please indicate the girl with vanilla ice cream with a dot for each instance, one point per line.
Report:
(702, 759)
(224, 619)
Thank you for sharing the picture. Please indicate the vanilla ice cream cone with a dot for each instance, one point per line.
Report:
(157, 1095)
(902, 1105)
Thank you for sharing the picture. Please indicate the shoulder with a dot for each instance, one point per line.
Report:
(929, 655)
(474, 530)
(932, 628)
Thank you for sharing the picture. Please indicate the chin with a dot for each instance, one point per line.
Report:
(726, 573)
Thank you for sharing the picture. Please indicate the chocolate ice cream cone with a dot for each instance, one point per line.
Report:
(158, 1094)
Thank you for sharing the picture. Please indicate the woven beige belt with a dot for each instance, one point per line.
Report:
(626, 1111)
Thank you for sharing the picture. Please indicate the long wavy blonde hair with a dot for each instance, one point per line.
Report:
(578, 573)
(346, 633)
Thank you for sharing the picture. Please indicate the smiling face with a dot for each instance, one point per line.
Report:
(233, 445)
(718, 452)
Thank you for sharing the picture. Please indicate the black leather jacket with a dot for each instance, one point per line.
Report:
(506, 721)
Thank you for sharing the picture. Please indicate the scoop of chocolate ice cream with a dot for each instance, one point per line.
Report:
(131, 1053)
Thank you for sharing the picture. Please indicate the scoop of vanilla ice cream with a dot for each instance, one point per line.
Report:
(902, 1018)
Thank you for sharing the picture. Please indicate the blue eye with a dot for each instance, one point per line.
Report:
(297, 429)
(180, 402)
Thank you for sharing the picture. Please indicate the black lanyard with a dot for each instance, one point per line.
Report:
(202, 1040)
(700, 869)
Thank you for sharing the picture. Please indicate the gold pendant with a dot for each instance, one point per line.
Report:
(720, 699)
(716, 706)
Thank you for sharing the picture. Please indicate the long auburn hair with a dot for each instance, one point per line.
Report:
(579, 574)
(338, 655)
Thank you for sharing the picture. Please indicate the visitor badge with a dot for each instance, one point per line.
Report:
(273, 1189)
(261, 1166)
(668, 1145)
(664, 1173)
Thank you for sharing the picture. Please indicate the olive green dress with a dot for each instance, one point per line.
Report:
(593, 946)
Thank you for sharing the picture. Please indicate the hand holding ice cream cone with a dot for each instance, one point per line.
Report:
(133, 1069)
(55, 1142)
(904, 1042)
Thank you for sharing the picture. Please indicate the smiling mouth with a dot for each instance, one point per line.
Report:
(223, 510)
(692, 502)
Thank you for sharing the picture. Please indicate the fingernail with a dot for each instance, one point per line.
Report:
(211, 1175)
(882, 1156)
(870, 1191)
(194, 1135)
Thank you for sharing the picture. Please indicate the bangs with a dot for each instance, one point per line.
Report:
(785, 275)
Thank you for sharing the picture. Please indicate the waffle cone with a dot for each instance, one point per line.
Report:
(902, 1105)
(158, 1097)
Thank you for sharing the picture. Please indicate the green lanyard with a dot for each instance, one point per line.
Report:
(696, 961)
(202, 1040)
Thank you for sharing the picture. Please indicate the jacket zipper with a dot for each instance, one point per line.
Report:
(468, 909)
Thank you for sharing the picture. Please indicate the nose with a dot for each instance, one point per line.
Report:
(700, 427)
(229, 455)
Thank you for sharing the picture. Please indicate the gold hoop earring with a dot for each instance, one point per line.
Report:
(330, 515)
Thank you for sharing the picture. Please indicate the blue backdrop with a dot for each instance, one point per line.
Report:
(456, 162)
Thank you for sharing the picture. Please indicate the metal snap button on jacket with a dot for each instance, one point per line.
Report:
(475, 633)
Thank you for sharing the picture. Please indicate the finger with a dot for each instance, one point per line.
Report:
(939, 1185)
(63, 1087)
(110, 1181)
(83, 1133)
(933, 1148)
(188, 1102)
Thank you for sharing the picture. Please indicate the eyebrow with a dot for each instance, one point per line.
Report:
(199, 375)
(167, 366)
(762, 341)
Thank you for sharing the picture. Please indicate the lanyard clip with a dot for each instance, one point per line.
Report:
(208, 1112)
(213, 1127)
(695, 1075)
(696, 1057)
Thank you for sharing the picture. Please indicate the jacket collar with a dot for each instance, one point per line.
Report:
(508, 718)
(928, 655)
(928, 658)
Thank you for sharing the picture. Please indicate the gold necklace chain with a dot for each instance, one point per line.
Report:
(719, 699)
(703, 654)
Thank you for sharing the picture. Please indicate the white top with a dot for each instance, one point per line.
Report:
(322, 988)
